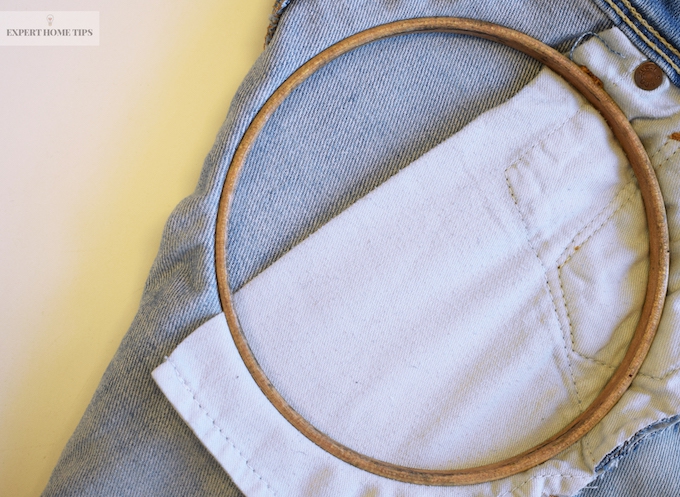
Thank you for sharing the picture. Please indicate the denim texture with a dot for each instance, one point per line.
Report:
(312, 161)
(646, 466)
(277, 12)
(347, 129)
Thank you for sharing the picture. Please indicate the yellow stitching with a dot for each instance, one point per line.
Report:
(650, 28)
(641, 35)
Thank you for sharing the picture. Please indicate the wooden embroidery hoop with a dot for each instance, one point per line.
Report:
(658, 252)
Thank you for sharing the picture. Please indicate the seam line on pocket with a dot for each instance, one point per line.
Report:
(565, 346)
(216, 426)
(628, 198)
(552, 297)
(564, 258)
(543, 138)
(675, 367)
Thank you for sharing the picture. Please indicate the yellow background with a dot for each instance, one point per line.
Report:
(97, 145)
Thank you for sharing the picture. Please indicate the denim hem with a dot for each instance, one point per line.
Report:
(650, 28)
(277, 12)
(611, 460)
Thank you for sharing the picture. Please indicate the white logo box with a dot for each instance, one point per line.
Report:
(49, 28)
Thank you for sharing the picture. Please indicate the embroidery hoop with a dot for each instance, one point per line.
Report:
(658, 252)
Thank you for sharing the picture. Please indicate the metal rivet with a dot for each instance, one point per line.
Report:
(648, 76)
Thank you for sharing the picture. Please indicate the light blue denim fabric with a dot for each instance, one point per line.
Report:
(343, 132)
(646, 465)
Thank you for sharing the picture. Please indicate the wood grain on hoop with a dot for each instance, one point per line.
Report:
(658, 253)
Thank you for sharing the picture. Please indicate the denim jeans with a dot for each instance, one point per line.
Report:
(336, 138)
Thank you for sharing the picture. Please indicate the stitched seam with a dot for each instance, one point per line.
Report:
(545, 271)
(659, 378)
(559, 270)
(630, 196)
(564, 258)
(560, 261)
(652, 377)
(651, 157)
(508, 492)
(642, 20)
(542, 139)
(526, 231)
(220, 431)
(596, 361)
(667, 159)
(649, 43)
(573, 348)
(547, 286)
(604, 222)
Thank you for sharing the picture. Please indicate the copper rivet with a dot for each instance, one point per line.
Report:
(648, 76)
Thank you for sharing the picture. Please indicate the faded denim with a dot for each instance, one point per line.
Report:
(348, 128)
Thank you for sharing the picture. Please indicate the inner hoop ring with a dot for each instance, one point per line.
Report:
(658, 252)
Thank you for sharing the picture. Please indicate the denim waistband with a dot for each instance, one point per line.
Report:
(653, 26)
